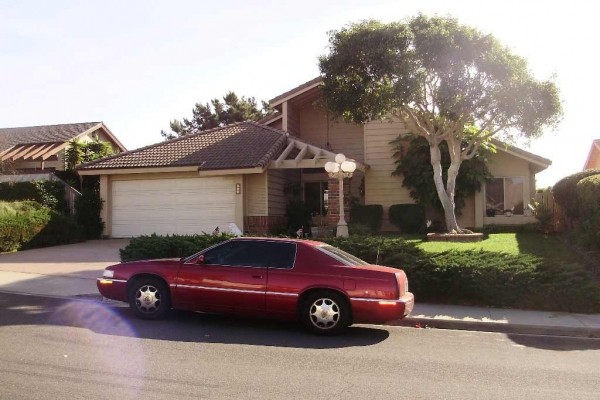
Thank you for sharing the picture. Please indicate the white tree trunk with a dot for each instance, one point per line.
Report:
(446, 194)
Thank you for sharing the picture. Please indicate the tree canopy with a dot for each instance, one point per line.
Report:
(438, 77)
(218, 113)
(78, 152)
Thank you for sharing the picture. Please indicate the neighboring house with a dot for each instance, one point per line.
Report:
(244, 173)
(36, 149)
(593, 159)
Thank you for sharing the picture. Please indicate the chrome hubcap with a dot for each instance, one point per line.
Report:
(324, 313)
(147, 299)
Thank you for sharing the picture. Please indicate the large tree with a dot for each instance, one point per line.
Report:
(216, 113)
(438, 77)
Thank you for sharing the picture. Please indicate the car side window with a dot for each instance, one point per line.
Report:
(237, 253)
(281, 255)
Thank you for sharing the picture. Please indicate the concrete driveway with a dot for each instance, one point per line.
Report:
(67, 270)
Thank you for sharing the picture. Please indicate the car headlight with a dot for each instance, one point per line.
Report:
(108, 273)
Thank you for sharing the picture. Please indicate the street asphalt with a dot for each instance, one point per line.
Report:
(70, 271)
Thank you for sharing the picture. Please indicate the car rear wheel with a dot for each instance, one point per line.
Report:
(149, 298)
(325, 313)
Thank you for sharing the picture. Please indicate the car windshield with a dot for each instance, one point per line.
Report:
(344, 257)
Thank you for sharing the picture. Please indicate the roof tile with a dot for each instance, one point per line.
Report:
(42, 134)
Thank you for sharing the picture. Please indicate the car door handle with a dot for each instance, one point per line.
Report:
(257, 276)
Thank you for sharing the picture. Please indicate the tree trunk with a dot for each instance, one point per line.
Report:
(446, 194)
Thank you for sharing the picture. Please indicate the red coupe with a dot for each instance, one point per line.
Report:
(324, 287)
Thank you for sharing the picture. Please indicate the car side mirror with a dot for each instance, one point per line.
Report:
(200, 259)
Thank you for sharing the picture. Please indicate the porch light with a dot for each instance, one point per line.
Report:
(340, 169)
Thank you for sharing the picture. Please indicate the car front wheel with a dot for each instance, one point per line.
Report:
(325, 313)
(149, 298)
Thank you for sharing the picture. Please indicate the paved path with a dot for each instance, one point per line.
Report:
(71, 270)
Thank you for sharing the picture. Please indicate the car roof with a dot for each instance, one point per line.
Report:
(289, 240)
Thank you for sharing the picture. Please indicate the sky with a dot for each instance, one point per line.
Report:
(136, 65)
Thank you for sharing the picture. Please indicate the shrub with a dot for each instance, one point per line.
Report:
(28, 224)
(409, 218)
(298, 215)
(588, 199)
(482, 278)
(48, 193)
(359, 229)
(565, 192)
(170, 246)
(87, 213)
(368, 215)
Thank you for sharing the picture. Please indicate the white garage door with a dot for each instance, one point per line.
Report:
(167, 206)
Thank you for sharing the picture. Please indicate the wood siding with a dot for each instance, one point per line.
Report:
(336, 136)
(380, 186)
(276, 180)
(255, 195)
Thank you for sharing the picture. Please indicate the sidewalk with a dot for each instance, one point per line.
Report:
(74, 269)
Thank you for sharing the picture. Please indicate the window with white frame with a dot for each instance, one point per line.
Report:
(504, 196)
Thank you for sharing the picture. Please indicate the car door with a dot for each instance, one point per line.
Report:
(230, 277)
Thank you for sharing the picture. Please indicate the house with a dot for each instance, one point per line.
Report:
(37, 149)
(593, 159)
(244, 173)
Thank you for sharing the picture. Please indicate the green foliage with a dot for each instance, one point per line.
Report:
(520, 228)
(48, 193)
(370, 215)
(482, 278)
(216, 114)
(28, 224)
(413, 163)
(438, 67)
(409, 218)
(356, 229)
(175, 246)
(87, 213)
(588, 200)
(565, 192)
(78, 152)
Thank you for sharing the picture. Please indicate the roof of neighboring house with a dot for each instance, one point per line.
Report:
(42, 134)
(297, 90)
(594, 151)
(533, 158)
(242, 145)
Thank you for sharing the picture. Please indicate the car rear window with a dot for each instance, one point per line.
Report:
(341, 255)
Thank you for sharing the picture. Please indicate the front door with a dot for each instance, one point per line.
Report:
(233, 277)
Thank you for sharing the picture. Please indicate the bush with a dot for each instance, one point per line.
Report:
(87, 213)
(170, 246)
(48, 193)
(359, 229)
(565, 192)
(368, 215)
(482, 278)
(409, 218)
(28, 224)
(588, 199)
(298, 216)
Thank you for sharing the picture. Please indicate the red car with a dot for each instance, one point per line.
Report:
(324, 287)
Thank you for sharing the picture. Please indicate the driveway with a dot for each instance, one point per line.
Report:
(60, 270)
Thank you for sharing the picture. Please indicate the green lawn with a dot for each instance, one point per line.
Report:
(537, 244)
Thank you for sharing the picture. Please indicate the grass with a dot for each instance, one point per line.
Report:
(536, 244)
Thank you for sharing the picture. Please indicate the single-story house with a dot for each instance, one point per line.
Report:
(593, 159)
(42, 148)
(243, 173)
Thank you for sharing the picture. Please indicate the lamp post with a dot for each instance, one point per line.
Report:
(341, 169)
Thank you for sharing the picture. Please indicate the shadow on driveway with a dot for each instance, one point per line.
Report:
(179, 326)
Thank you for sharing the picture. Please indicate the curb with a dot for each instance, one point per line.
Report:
(519, 329)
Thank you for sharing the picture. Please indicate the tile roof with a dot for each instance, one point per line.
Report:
(42, 134)
(242, 145)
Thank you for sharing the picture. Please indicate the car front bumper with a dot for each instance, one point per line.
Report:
(114, 289)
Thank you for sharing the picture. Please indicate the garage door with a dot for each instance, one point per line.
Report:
(167, 206)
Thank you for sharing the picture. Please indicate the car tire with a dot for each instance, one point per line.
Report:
(149, 298)
(325, 313)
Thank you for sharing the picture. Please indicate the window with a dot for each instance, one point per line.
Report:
(341, 255)
(316, 197)
(504, 195)
(250, 253)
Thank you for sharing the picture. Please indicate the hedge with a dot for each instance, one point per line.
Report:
(482, 278)
(409, 218)
(48, 193)
(565, 192)
(25, 225)
(588, 200)
(370, 215)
